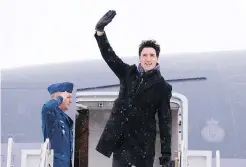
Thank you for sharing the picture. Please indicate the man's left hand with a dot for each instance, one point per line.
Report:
(165, 160)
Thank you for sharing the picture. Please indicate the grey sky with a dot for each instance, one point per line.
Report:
(37, 32)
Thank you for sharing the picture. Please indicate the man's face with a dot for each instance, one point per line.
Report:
(148, 58)
(67, 100)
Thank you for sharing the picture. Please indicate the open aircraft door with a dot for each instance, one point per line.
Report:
(95, 108)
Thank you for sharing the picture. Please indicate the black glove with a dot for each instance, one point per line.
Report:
(165, 160)
(107, 18)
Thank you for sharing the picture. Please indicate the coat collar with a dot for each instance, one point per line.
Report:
(149, 79)
(70, 121)
(141, 70)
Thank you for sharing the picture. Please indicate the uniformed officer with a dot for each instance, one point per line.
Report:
(57, 125)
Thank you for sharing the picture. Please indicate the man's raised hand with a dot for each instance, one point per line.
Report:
(105, 20)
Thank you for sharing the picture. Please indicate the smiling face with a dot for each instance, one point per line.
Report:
(148, 58)
(149, 52)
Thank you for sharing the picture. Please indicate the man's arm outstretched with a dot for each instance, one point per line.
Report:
(108, 54)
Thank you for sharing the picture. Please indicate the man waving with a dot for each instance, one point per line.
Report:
(130, 132)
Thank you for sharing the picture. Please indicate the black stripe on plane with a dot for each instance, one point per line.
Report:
(170, 80)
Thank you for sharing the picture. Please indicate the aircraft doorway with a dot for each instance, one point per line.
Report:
(90, 124)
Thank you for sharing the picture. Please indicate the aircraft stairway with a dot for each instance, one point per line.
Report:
(194, 158)
(42, 157)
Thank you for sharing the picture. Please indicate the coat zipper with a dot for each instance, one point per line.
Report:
(139, 86)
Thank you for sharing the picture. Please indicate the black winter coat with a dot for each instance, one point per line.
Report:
(131, 127)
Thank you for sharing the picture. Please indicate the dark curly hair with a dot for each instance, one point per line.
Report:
(149, 44)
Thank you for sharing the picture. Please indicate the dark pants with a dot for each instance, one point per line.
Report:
(119, 162)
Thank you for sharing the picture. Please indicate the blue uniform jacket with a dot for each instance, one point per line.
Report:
(58, 127)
